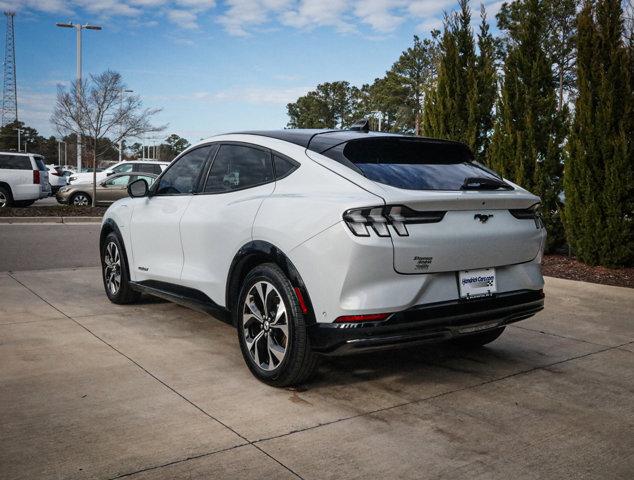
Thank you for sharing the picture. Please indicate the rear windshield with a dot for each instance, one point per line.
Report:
(415, 164)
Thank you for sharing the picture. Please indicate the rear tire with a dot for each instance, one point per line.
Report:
(6, 199)
(272, 329)
(114, 269)
(477, 340)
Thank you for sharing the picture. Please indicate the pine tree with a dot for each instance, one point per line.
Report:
(451, 109)
(599, 181)
(529, 131)
(486, 86)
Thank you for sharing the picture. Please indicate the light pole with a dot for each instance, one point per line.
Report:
(19, 130)
(78, 27)
(59, 152)
(379, 116)
(123, 91)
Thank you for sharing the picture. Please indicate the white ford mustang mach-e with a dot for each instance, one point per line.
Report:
(325, 242)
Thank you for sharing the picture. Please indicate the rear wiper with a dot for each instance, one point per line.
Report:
(484, 183)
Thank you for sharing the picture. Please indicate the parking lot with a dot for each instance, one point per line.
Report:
(94, 390)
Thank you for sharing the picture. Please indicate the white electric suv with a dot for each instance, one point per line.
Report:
(325, 242)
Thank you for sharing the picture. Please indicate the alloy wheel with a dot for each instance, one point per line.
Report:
(80, 200)
(112, 269)
(265, 326)
(3, 200)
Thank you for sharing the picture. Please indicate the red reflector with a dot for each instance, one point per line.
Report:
(300, 299)
(36, 176)
(374, 317)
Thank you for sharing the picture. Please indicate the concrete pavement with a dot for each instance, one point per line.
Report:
(44, 246)
(156, 391)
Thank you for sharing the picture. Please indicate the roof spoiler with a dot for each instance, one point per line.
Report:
(362, 125)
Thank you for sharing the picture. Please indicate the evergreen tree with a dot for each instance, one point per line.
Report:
(486, 86)
(599, 180)
(561, 41)
(529, 132)
(451, 109)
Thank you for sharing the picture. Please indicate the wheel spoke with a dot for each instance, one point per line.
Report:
(253, 341)
(275, 350)
(253, 308)
(282, 327)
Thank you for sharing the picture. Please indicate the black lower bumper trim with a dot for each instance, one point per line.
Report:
(427, 323)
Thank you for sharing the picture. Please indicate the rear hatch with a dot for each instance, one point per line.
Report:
(45, 186)
(445, 212)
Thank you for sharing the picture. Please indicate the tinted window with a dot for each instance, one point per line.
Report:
(414, 164)
(124, 167)
(147, 168)
(236, 167)
(182, 176)
(283, 167)
(15, 162)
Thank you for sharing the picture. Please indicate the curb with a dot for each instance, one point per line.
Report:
(48, 220)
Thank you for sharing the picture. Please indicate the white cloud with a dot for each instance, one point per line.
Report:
(250, 95)
(243, 17)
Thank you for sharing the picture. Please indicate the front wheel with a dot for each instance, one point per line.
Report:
(272, 329)
(115, 272)
(478, 339)
(80, 200)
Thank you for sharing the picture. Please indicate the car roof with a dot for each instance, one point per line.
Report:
(320, 140)
(121, 174)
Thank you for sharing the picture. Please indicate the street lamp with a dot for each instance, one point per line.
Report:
(78, 27)
(123, 91)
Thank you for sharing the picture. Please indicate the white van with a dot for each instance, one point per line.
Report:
(23, 179)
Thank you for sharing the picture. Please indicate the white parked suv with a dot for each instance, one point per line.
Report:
(23, 179)
(325, 242)
(131, 166)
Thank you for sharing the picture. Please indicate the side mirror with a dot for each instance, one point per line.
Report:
(138, 188)
(109, 173)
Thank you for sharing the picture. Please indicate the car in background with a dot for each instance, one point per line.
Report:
(23, 179)
(57, 177)
(127, 166)
(108, 191)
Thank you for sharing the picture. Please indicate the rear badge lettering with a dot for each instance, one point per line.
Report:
(422, 263)
(143, 269)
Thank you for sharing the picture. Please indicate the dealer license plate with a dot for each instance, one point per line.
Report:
(477, 283)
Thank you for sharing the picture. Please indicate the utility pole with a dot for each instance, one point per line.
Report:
(19, 130)
(9, 91)
(78, 27)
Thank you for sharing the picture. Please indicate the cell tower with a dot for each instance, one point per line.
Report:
(9, 92)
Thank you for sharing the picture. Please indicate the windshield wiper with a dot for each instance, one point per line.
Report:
(484, 183)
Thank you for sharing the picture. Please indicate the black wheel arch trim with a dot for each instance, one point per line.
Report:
(109, 226)
(257, 252)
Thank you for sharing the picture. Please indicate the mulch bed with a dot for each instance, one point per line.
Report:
(563, 266)
(54, 211)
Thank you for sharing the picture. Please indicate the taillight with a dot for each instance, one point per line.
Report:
(531, 213)
(373, 317)
(36, 176)
(378, 218)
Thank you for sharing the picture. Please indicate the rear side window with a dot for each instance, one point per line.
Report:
(283, 167)
(414, 164)
(148, 168)
(182, 177)
(236, 167)
(15, 162)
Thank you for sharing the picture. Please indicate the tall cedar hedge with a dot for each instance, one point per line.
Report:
(599, 180)
(527, 143)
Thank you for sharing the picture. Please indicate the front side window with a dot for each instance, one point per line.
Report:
(118, 181)
(182, 177)
(236, 167)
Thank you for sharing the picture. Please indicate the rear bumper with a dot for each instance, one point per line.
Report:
(426, 323)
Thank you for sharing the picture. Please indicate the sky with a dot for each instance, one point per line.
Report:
(213, 66)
